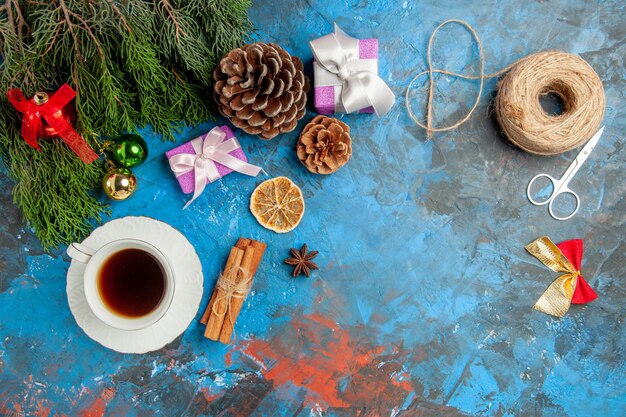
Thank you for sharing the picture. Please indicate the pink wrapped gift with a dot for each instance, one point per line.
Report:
(345, 73)
(208, 158)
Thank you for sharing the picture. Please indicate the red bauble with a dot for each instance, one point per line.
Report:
(49, 116)
(66, 114)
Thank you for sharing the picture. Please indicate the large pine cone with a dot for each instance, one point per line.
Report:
(261, 89)
(324, 145)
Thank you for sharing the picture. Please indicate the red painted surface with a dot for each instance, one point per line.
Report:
(314, 353)
(99, 406)
(41, 410)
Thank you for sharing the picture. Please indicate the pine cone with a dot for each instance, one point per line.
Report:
(261, 89)
(324, 145)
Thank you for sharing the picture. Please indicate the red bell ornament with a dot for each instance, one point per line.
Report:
(48, 116)
(66, 114)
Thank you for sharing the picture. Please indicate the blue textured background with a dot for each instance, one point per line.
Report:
(422, 304)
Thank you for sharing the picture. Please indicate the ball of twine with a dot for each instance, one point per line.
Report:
(517, 106)
(524, 121)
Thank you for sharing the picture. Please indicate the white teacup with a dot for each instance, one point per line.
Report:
(95, 259)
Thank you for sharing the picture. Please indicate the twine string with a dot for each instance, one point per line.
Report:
(431, 81)
(521, 116)
(519, 113)
(235, 283)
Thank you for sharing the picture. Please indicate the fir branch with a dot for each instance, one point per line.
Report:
(121, 16)
(10, 7)
(54, 188)
(131, 62)
(165, 9)
(182, 40)
(84, 25)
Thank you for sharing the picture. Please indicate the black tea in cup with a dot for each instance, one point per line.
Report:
(131, 283)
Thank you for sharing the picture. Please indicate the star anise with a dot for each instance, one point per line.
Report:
(301, 261)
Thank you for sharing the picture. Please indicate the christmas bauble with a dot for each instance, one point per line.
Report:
(129, 150)
(67, 114)
(119, 183)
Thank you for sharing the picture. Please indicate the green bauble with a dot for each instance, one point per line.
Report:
(129, 150)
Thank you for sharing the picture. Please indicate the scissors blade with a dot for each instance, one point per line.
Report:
(591, 143)
(577, 162)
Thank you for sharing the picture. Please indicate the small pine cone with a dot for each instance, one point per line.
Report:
(324, 145)
(261, 89)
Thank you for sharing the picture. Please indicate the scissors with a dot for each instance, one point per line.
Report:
(560, 186)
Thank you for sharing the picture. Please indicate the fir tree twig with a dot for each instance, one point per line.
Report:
(132, 63)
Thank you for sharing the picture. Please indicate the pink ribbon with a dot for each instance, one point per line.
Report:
(210, 148)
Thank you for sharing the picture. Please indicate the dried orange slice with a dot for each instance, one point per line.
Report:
(277, 204)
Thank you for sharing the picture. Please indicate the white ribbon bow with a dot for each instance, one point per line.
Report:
(209, 150)
(338, 53)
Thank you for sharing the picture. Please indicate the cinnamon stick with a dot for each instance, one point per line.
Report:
(205, 316)
(243, 243)
(260, 251)
(229, 264)
(218, 299)
(236, 303)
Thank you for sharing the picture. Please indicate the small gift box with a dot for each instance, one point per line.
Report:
(345, 75)
(208, 158)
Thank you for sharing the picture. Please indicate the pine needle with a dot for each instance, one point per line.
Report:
(132, 63)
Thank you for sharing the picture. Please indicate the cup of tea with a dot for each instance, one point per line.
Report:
(129, 283)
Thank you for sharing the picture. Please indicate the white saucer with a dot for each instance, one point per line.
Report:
(187, 294)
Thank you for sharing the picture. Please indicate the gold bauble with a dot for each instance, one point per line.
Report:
(119, 183)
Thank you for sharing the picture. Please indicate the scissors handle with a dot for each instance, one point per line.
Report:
(553, 198)
(555, 185)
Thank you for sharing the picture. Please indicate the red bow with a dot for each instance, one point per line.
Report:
(51, 112)
(573, 251)
(570, 287)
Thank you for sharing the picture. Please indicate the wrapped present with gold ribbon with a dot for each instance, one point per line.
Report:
(345, 74)
(570, 287)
